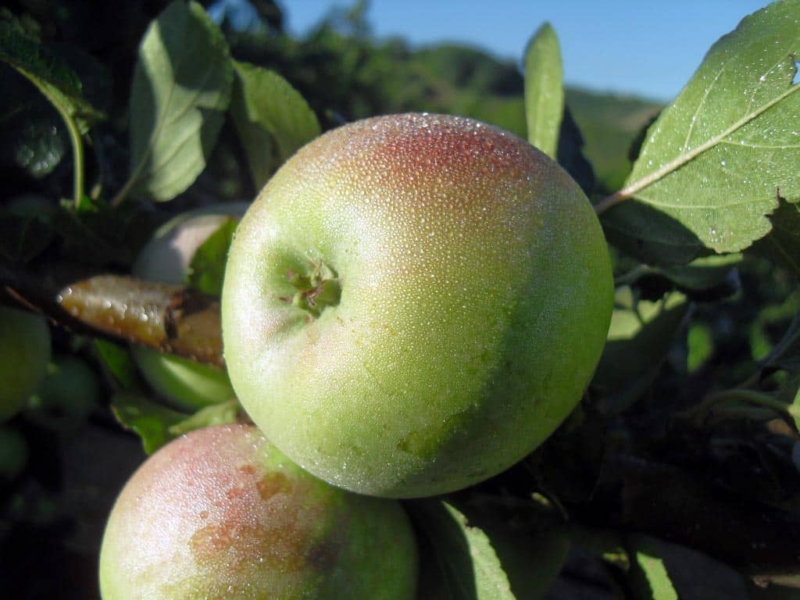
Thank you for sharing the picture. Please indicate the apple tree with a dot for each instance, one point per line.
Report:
(679, 447)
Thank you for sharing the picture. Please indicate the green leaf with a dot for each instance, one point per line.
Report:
(649, 235)
(181, 90)
(148, 419)
(703, 274)
(570, 154)
(785, 355)
(216, 414)
(272, 119)
(117, 359)
(207, 269)
(23, 237)
(639, 338)
(654, 582)
(544, 90)
(706, 279)
(794, 412)
(51, 75)
(157, 425)
(719, 157)
(782, 244)
(463, 564)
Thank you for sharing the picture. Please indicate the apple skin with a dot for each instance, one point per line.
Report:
(25, 350)
(166, 258)
(474, 297)
(221, 513)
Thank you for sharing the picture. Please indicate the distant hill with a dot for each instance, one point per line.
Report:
(345, 74)
(473, 83)
(609, 124)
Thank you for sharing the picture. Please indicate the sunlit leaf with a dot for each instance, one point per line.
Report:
(157, 425)
(639, 338)
(148, 419)
(271, 117)
(207, 269)
(209, 416)
(181, 90)
(544, 90)
(654, 582)
(117, 360)
(719, 157)
(463, 565)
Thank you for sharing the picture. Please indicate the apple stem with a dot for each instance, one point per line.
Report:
(316, 291)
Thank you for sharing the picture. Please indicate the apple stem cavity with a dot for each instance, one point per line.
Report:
(317, 290)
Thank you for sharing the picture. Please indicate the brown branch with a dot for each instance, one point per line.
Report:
(170, 318)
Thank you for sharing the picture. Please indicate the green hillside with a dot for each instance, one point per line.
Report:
(346, 74)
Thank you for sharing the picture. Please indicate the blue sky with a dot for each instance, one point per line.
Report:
(623, 46)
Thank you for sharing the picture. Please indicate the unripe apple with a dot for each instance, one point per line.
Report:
(415, 302)
(24, 353)
(65, 397)
(166, 258)
(221, 513)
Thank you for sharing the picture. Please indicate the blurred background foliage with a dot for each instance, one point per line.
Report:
(346, 73)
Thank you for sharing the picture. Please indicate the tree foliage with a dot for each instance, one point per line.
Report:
(115, 117)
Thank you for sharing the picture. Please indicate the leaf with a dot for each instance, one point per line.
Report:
(654, 582)
(794, 413)
(717, 159)
(271, 118)
(49, 73)
(181, 90)
(650, 236)
(23, 237)
(157, 425)
(215, 414)
(463, 565)
(149, 420)
(706, 279)
(667, 571)
(639, 338)
(207, 269)
(544, 90)
(785, 355)
(117, 359)
(704, 274)
(570, 153)
(782, 244)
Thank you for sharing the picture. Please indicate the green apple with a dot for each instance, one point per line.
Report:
(25, 349)
(66, 396)
(166, 258)
(414, 303)
(221, 513)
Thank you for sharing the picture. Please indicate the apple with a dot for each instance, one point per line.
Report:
(221, 513)
(25, 349)
(413, 303)
(65, 397)
(167, 257)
